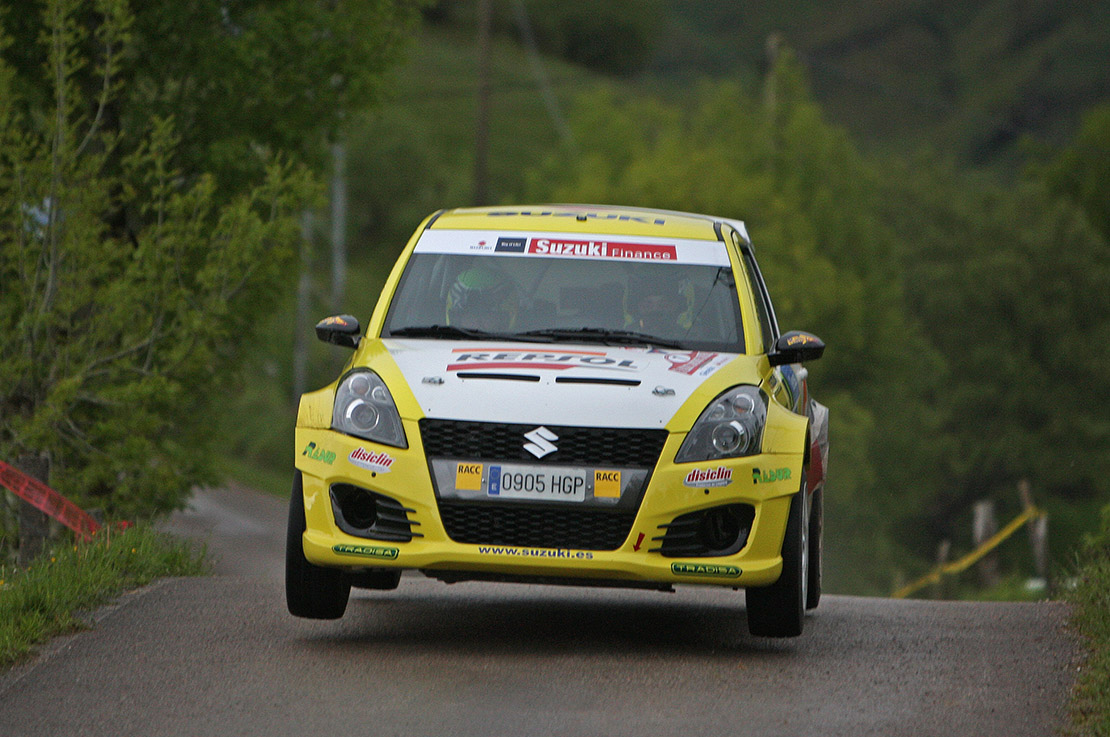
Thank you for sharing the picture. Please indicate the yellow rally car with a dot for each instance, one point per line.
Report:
(565, 394)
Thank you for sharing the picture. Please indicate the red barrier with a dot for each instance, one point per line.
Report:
(48, 501)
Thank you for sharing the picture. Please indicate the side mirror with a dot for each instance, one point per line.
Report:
(796, 347)
(341, 330)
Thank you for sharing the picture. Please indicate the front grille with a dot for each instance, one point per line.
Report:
(577, 446)
(486, 523)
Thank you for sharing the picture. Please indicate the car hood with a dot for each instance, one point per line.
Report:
(582, 385)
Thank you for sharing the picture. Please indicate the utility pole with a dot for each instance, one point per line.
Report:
(481, 136)
(338, 224)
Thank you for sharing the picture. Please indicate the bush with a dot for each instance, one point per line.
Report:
(1091, 619)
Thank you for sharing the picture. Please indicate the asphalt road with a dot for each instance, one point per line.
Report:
(220, 656)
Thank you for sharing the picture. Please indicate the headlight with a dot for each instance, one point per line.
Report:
(730, 427)
(364, 408)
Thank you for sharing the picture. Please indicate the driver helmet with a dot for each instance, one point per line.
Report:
(658, 303)
(481, 298)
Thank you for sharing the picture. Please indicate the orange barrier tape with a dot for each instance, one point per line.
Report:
(48, 501)
(971, 558)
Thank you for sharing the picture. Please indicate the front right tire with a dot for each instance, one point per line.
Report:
(311, 591)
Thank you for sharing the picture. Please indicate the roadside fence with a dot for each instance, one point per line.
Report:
(986, 540)
(39, 502)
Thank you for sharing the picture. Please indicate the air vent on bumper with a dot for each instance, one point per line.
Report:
(368, 514)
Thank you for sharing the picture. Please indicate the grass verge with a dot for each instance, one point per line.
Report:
(1091, 619)
(49, 598)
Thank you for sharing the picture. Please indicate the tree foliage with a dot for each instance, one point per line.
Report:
(1081, 171)
(1011, 287)
(607, 36)
(1025, 270)
(243, 80)
(117, 343)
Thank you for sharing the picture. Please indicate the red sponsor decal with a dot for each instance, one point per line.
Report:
(602, 249)
(368, 459)
(507, 365)
(525, 350)
(553, 361)
(688, 363)
(719, 476)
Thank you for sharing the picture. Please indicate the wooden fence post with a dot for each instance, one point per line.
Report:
(984, 525)
(1038, 535)
(943, 550)
(33, 524)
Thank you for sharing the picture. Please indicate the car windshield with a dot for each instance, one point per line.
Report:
(614, 302)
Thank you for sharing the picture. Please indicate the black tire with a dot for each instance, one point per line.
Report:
(779, 610)
(311, 591)
(816, 535)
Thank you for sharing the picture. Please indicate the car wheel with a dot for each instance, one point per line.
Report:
(311, 591)
(816, 536)
(778, 610)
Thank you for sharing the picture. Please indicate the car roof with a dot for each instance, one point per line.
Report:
(595, 219)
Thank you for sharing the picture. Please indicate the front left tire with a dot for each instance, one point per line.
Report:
(779, 610)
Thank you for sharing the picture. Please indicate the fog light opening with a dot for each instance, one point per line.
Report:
(721, 528)
(359, 509)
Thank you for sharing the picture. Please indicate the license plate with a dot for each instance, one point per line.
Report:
(530, 482)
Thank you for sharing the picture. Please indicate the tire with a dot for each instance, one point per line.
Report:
(311, 591)
(816, 536)
(779, 610)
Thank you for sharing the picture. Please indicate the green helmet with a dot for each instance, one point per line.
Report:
(480, 294)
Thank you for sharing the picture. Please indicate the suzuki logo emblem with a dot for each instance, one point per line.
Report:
(541, 443)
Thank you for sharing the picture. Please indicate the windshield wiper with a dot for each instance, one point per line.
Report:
(454, 331)
(547, 335)
(438, 331)
(603, 335)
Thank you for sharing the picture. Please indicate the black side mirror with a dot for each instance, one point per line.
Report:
(341, 330)
(796, 347)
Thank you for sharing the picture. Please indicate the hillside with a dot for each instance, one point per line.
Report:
(969, 78)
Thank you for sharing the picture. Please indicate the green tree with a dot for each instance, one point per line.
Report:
(117, 346)
(1081, 171)
(243, 80)
(1010, 285)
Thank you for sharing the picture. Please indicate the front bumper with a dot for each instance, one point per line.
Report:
(765, 483)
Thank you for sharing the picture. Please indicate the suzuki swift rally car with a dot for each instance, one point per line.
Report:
(565, 394)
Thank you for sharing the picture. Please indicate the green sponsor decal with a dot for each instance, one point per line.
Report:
(704, 569)
(318, 454)
(766, 477)
(368, 551)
